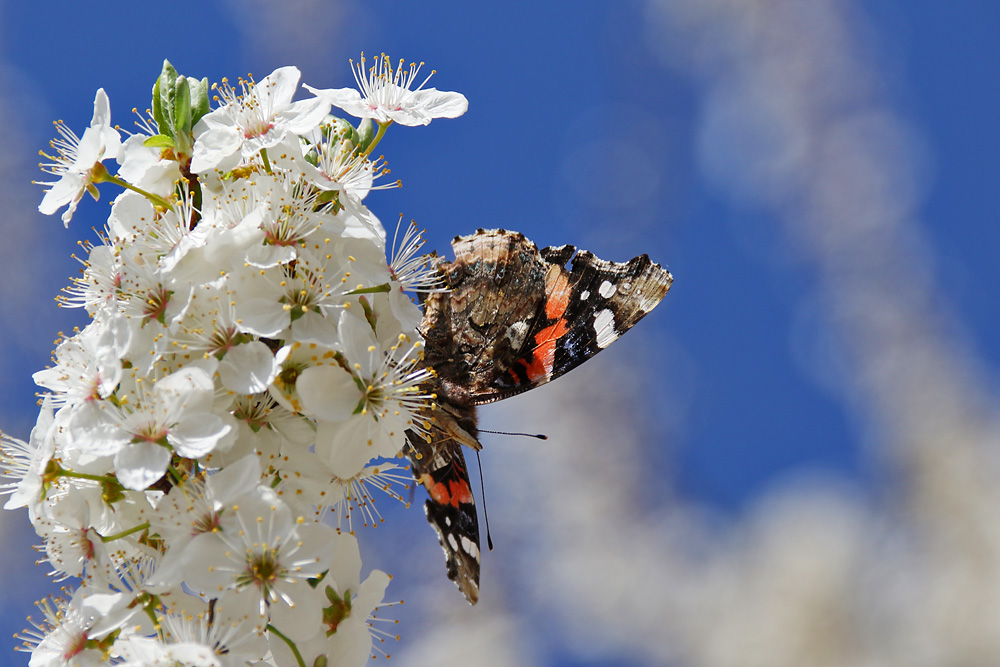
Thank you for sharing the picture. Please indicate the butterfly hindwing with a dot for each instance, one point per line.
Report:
(439, 465)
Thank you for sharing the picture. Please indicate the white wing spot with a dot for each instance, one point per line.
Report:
(607, 290)
(516, 334)
(584, 295)
(452, 541)
(604, 327)
(470, 547)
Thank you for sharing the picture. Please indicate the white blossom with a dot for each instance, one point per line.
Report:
(76, 159)
(61, 638)
(386, 96)
(259, 117)
(268, 560)
(251, 355)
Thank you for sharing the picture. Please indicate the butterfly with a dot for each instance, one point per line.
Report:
(513, 318)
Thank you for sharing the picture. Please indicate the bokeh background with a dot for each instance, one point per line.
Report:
(794, 459)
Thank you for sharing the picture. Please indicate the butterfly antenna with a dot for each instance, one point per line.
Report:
(482, 488)
(540, 436)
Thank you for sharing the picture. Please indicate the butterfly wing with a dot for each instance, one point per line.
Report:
(586, 308)
(439, 465)
(496, 288)
(514, 318)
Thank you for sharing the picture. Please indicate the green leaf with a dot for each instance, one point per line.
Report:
(161, 121)
(159, 141)
(182, 107)
(165, 89)
(199, 99)
(178, 103)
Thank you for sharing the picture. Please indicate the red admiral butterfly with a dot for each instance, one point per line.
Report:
(513, 318)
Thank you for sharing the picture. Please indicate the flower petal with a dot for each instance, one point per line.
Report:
(141, 464)
(248, 368)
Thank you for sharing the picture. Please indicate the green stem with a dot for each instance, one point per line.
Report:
(267, 163)
(384, 287)
(63, 472)
(378, 137)
(291, 644)
(124, 533)
(156, 199)
(152, 617)
(175, 473)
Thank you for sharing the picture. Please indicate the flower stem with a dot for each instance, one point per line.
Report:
(291, 644)
(156, 622)
(175, 473)
(156, 199)
(384, 287)
(267, 163)
(63, 472)
(124, 533)
(382, 127)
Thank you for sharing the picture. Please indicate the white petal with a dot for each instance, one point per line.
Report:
(189, 380)
(344, 455)
(62, 192)
(217, 146)
(111, 611)
(264, 256)
(131, 213)
(313, 554)
(313, 327)
(301, 621)
(197, 434)
(371, 593)
(407, 313)
(202, 555)
(304, 115)
(169, 569)
(193, 655)
(263, 317)
(141, 464)
(356, 339)
(108, 136)
(328, 392)
(102, 109)
(92, 429)
(279, 86)
(345, 567)
(348, 99)
(351, 644)
(440, 103)
(248, 368)
(234, 479)
(408, 116)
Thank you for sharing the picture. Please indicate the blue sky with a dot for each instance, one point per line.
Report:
(577, 132)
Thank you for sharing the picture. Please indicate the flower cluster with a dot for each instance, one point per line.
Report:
(250, 352)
